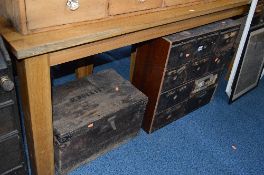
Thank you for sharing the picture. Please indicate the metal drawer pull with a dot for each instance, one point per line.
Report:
(73, 4)
(168, 117)
(170, 93)
(112, 122)
(6, 83)
(141, 1)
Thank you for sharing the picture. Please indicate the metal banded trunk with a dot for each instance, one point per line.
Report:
(94, 115)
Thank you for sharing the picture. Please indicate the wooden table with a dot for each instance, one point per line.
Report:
(36, 53)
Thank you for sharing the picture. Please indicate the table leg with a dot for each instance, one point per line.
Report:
(84, 71)
(35, 90)
(132, 62)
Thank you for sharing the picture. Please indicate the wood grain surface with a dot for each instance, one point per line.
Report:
(35, 90)
(81, 51)
(40, 43)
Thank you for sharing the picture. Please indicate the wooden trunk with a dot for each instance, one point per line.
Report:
(30, 16)
(12, 154)
(94, 115)
(179, 73)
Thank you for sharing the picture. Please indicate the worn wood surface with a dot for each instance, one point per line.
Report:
(78, 52)
(35, 90)
(36, 44)
(92, 115)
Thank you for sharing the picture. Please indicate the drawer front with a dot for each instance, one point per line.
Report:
(197, 69)
(47, 13)
(174, 78)
(164, 118)
(180, 2)
(205, 46)
(7, 117)
(181, 54)
(200, 99)
(226, 42)
(100, 136)
(5, 96)
(205, 82)
(217, 63)
(10, 154)
(126, 6)
(174, 96)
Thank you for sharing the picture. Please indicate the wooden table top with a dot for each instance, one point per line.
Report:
(24, 46)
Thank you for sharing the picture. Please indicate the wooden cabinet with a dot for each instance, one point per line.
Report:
(179, 72)
(94, 115)
(32, 16)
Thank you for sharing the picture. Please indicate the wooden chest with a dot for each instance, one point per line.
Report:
(29, 16)
(92, 116)
(179, 73)
(12, 155)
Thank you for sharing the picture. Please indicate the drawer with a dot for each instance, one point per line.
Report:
(174, 78)
(47, 13)
(10, 154)
(174, 96)
(217, 63)
(7, 117)
(181, 54)
(180, 2)
(126, 6)
(205, 82)
(197, 68)
(226, 42)
(224, 50)
(5, 96)
(205, 46)
(169, 115)
(200, 99)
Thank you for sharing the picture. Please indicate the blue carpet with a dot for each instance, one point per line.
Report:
(216, 139)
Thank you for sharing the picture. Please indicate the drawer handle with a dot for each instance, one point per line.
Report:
(168, 117)
(170, 93)
(73, 4)
(6, 83)
(141, 1)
